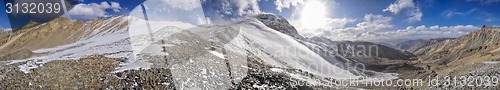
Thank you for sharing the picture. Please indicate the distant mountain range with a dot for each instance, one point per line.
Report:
(413, 45)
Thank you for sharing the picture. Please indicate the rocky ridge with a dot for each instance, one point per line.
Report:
(485, 41)
(472, 55)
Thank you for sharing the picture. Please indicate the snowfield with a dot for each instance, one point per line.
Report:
(287, 50)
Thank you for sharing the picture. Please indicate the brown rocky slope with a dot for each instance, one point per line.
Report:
(476, 51)
(59, 31)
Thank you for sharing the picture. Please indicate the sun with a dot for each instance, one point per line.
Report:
(313, 15)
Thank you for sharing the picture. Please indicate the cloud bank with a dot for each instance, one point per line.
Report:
(92, 10)
(377, 28)
(5, 29)
(281, 4)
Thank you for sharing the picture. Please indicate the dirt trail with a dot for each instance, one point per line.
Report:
(12, 40)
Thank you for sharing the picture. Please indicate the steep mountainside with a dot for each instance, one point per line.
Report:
(373, 56)
(377, 50)
(366, 49)
(484, 42)
(59, 31)
(4, 34)
(342, 53)
(475, 51)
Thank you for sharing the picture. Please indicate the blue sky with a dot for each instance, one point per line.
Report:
(374, 20)
(435, 12)
(343, 19)
(85, 8)
(3, 17)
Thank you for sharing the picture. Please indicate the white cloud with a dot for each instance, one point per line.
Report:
(377, 28)
(372, 23)
(92, 10)
(187, 5)
(399, 6)
(488, 20)
(449, 14)
(5, 29)
(280, 4)
(410, 32)
(409, 5)
(423, 32)
(375, 23)
(223, 10)
(249, 7)
(330, 24)
(335, 23)
(115, 6)
(415, 15)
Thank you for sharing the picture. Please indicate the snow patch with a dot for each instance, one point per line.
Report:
(136, 65)
(277, 70)
(490, 62)
(28, 66)
(220, 55)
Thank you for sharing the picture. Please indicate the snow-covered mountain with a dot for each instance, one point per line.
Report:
(210, 57)
(279, 23)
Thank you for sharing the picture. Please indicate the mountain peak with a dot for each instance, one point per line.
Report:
(30, 24)
(490, 28)
(278, 23)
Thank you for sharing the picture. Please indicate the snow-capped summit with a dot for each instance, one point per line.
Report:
(278, 23)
